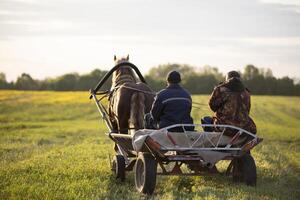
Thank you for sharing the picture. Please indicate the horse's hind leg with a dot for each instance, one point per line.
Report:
(123, 125)
(114, 123)
(123, 116)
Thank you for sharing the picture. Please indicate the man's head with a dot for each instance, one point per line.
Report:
(233, 74)
(173, 77)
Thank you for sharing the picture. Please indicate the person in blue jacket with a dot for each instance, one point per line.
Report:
(171, 105)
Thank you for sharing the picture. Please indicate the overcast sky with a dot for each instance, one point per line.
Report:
(46, 38)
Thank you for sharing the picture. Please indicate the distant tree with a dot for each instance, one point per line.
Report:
(208, 70)
(270, 86)
(261, 81)
(66, 82)
(2, 77)
(156, 77)
(200, 83)
(266, 72)
(98, 75)
(25, 82)
(89, 81)
(3, 82)
(160, 72)
(155, 84)
(196, 80)
(285, 86)
(297, 89)
(47, 84)
(85, 82)
(254, 79)
(250, 72)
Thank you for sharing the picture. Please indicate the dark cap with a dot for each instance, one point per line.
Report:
(174, 77)
(233, 74)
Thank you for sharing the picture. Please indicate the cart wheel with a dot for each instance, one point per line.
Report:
(145, 173)
(118, 166)
(244, 170)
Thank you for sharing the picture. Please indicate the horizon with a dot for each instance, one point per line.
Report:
(197, 68)
(52, 38)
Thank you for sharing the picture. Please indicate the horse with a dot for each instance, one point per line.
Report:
(129, 99)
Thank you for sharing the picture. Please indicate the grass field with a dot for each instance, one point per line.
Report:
(52, 146)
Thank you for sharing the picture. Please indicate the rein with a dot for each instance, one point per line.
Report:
(131, 88)
(127, 79)
(118, 84)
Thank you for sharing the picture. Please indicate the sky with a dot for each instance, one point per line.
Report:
(47, 38)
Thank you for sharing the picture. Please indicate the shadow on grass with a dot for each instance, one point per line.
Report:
(117, 189)
(278, 178)
(217, 186)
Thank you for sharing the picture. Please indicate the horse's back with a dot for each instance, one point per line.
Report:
(148, 93)
(129, 98)
(140, 86)
(128, 89)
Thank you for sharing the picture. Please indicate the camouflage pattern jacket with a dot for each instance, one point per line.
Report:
(231, 103)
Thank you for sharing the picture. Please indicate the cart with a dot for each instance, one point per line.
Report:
(165, 152)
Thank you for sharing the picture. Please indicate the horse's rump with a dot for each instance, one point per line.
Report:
(129, 103)
(137, 109)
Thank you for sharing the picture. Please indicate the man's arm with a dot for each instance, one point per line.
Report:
(215, 100)
(249, 100)
(156, 109)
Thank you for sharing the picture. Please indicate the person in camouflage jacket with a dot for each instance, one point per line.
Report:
(230, 101)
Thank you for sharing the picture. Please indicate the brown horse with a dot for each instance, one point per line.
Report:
(130, 100)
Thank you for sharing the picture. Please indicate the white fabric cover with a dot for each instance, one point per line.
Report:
(188, 139)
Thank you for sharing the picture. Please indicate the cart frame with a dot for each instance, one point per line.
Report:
(152, 153)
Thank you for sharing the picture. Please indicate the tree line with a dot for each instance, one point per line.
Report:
(196, 80)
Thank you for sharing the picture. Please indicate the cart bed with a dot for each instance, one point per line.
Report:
(125, 142)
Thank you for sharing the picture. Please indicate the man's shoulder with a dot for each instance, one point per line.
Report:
(161, 92)
(175, 91)
(185, 93)
(169, 89)
(221, 88)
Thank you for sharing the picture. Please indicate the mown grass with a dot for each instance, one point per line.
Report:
(52, 146)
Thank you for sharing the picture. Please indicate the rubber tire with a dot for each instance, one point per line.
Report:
(145, 173)
(244, 170)
(119, 167)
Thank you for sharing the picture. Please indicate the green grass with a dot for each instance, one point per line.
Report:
(53, 146)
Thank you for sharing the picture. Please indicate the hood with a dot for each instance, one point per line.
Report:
(235, 85)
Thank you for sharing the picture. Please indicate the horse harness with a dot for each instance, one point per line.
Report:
(118, 84)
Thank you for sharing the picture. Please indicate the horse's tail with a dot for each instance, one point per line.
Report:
(137, 110)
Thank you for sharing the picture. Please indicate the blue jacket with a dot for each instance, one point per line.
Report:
(172, 106)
